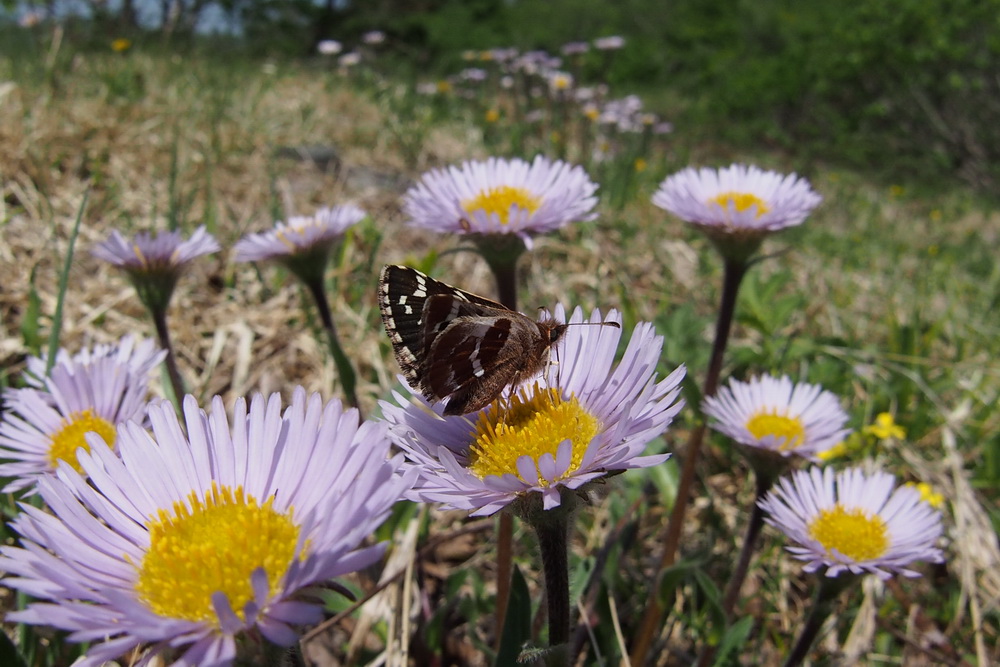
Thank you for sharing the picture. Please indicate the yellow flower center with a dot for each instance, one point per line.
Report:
(500, 200)
(492, 115)
(561, 82)
(70, 437)
(741, 201)
(789, 431)
(530, 425)
(213, 544)
(853, 533)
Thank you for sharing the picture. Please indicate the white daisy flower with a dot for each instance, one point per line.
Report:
(154, 262)
(139, 356)
(501, 196)
(737, 203)
(45, 426)
(778, 415)
(300, 236)
(853, 522)
(581, 422)
(184, 543)
(163, 252)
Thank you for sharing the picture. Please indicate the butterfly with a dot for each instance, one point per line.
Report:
(454, 345)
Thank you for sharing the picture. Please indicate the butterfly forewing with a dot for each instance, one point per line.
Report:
(455, 345)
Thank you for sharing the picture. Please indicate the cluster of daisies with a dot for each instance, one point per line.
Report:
(548, 91)
(197, 530)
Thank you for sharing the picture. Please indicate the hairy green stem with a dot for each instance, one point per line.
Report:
(734, 271)
(344, 369)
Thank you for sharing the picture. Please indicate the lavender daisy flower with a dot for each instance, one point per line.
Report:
(777, 416)
(329, 47)
(45, 426)
(154, 262)
(574, 48)
(302, 239)
(303, 244)
(737, 206)
(609, 43)
(139, 356)
(576, 425)
(853, 522)
(501, 196)
(373, 37)
(186, 542)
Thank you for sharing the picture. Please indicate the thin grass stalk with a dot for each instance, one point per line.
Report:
(652, 618)
(57, 316)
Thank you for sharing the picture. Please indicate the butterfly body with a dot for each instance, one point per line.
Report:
(458, 346)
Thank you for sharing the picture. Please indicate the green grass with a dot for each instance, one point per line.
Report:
(886, 295)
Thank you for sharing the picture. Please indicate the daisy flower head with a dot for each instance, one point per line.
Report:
(502, 196)
(49, 424)
(575, 423)
(139, 356)
(154, 262)
(189, 542)
(329, 47)
(854, 522)
(574, 48)
(775, 418)
(609, 43)
(373, 37)
(303, 243)
(737, 206)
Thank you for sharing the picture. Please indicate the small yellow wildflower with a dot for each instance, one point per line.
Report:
(492, 116)
(121, 45)
(885, 427)
(640, 165)
(928, 494)
(835, 452)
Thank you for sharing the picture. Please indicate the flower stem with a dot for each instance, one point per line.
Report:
(501, 255)
(829, 589)
(734, 271)
(553, 535)
(743, 564)
(163, 333)
(749, 543)
(344, 369)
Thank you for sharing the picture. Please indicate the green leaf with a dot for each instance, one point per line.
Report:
(734, 639)
(8, 652)
(30, 326)
(63, 285)
(517, 623)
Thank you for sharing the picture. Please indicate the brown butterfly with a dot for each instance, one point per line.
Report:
(454, 345)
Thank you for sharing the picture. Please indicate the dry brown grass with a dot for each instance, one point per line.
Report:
(238, 330)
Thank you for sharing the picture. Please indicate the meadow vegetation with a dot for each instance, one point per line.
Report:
(886, 296)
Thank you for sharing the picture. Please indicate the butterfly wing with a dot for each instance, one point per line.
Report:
(471, 361)
(412, 323)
